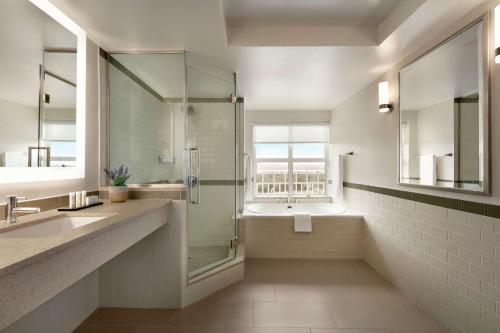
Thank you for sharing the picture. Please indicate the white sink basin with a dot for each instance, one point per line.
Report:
(56, 225)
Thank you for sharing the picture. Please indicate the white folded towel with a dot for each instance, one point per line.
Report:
(428, 174)
(338, 178)
(302, 222)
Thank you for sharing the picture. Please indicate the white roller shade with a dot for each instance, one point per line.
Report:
(59, 130)
(296, 133)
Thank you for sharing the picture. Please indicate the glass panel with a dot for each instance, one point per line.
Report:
(308, 150)
(272, 179)
(211, 128)
(271, 150)
(309, 178)
(145, 105)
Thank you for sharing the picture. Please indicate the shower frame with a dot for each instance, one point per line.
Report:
(238, 102)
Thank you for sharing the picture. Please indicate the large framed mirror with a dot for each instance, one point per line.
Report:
(42, 93)
(444, 115)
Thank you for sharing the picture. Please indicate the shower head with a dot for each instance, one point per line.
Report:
(190, 109)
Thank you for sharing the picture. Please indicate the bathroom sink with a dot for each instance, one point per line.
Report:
(50, 227)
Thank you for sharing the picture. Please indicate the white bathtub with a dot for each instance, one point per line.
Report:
(283, 209)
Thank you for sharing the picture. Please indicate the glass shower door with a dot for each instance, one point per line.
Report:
(211, 175)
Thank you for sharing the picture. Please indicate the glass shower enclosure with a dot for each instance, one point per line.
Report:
(173, 122)
(211, 141)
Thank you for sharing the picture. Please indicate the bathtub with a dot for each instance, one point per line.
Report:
(283, 209)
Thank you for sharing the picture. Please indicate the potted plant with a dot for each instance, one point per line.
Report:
(118, 189)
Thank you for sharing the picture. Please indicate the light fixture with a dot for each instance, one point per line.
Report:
(497, 34)
(383, 97)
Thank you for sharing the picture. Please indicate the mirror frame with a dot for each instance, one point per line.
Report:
(487, 59)
(27, 174)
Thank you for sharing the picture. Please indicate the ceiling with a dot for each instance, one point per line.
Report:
(308, 13)
(288, 54)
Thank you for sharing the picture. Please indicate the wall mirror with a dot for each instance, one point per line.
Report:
(42, 93)
(444, 115)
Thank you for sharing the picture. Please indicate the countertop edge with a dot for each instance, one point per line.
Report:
(7, 269)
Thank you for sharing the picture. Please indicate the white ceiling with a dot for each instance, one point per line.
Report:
(319, 76)
(308, 13)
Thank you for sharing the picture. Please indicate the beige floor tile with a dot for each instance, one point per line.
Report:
(293, 314)
(129, 317)
(421, 331)
(308, 293)
(284, 296)
(373, 315)
(106, 329)
(215, 315)
(371, 292)
(243, 292)
(268, 330)
(163, 329)
(350, 330)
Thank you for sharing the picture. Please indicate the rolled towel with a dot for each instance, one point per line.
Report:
(302, 222)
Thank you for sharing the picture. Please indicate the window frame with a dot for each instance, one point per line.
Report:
(290, 160)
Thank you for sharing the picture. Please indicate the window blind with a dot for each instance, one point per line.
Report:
(293, 133)
(59, 130)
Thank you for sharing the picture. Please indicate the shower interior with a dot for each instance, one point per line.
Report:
(173, 122)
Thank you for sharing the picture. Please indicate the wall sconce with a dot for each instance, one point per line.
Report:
(497, 34)
(383, 97)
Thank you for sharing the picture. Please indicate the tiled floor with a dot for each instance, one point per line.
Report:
(283, 296)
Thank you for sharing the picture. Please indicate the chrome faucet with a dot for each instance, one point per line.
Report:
(11, 209)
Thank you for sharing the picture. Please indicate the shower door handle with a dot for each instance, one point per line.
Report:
(194, 176)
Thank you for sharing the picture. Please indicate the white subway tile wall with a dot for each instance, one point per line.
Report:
(211, 128)
(211, 222)
(445, 260)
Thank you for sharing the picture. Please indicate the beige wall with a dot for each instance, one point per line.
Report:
(373, 136)
(14, 138)
(446, 260)
(90, 182)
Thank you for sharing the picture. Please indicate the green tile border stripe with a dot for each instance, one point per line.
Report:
(456, 204)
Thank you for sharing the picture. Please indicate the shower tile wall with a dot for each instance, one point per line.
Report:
(445, 260)
(211, 220)
(141, 130)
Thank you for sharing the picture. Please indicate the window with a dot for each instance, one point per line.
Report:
(290, 160)
(60, 136)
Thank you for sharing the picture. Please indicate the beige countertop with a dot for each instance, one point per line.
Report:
(17, 252)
